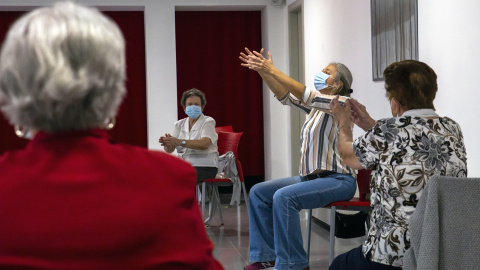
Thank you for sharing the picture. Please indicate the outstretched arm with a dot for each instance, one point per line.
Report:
(278, 90)
(277, 81)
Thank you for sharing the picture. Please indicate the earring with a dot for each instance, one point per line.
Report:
(20, 131)
(111, 123)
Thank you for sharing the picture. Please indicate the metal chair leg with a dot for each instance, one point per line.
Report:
(203, 198)
(217, 195)
(245, 195)
(309, 230)
(331, 249)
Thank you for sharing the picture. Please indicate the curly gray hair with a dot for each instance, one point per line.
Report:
(62, 68)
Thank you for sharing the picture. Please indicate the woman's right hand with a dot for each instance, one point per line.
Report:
(256, 61)
(360, 115)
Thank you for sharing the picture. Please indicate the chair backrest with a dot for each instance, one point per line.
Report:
(228, 141)
(363, 183)
(224, 129)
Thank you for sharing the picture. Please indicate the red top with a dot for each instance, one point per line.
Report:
(76, 200)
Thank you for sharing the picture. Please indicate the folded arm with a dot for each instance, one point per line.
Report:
(169, 143)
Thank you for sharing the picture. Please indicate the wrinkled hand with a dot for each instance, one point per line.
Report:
(360, 115)
(256, 61)
(341, 113)
(169, 140)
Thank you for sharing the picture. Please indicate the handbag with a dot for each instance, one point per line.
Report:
(350, 226)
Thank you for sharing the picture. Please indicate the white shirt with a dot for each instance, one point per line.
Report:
(204, 127)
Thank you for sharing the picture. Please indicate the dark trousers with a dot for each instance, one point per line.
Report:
(204, 173)
(354, 260)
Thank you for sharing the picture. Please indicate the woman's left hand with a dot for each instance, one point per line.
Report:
(341, 113)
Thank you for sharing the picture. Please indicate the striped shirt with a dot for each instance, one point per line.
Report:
(319, 133)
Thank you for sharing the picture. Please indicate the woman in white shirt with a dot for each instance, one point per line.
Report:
(194, 137)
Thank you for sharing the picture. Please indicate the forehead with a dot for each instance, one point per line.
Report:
(193, 99)
(332, 68)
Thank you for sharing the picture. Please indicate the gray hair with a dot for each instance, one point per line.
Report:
(62, 68)
(344, 75)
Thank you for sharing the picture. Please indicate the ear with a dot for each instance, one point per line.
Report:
(341, 85)
(395, 103)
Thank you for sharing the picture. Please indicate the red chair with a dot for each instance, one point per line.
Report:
(360, 203)
(217, 130)
(224, 129)
(227, 141)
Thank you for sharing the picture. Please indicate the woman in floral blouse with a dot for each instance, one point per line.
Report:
(404, 152)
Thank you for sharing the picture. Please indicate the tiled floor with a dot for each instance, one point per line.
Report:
(231, 240)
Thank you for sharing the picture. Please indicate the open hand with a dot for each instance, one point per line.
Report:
(256, 61)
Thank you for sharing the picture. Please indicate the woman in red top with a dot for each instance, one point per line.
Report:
(72, 199)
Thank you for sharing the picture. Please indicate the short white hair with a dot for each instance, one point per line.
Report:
(62, 68)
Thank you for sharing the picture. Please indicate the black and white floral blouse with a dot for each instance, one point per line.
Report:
(403, 153)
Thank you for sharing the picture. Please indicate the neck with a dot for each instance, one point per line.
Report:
(327, 91)
(192, 121)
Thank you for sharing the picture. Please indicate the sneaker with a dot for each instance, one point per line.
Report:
(260, 265)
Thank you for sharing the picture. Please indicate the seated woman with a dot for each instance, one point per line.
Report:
(194, 137)
(72, 199)
(404, 152)
(274, 205)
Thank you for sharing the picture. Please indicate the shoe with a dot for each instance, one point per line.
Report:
(260, 265)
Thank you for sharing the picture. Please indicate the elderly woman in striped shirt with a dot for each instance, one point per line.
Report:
(324, 177)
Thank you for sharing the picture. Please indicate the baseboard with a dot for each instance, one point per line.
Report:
(321, 223)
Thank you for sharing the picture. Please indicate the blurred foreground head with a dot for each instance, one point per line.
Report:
(62, 68)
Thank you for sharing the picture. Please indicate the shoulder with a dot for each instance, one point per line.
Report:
(207, 122)
(449, 121)
(209, 119)
(181, 122)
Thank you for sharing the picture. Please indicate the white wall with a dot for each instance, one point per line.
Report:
(449, 41)
(339, 30)
(161, 65)
(335, 30)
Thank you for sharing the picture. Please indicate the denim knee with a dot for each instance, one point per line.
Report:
(283, 197)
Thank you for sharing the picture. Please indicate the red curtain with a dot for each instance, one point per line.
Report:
(208, 45)
(8, 139)
(131, 122)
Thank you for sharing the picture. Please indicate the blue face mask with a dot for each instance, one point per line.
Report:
(320, 80)
(193, 111)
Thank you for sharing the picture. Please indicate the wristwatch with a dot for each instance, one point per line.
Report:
(183, 143)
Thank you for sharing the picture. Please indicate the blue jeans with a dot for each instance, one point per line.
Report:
(275, 232)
